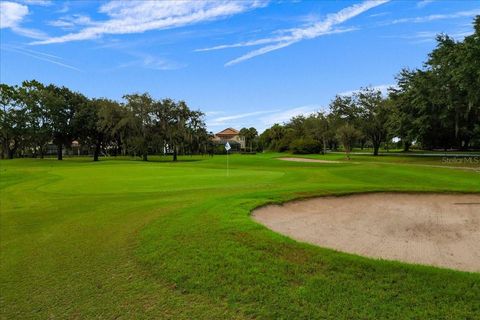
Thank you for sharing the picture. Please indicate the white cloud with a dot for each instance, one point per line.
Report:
(380, 14)
(12, 15)
(38, 2)
(229, 119)
(278, 39)
(126, 17)
(423, 3)
(75, 20)
(433, 17)
(148, 61)
(286, 115)
(213, 113)
(64, 8)
(258, 52)
(291, 36)
(255, 119)
(29, 33)
(151, 62)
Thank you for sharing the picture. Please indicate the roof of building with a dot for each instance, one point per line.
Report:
(228, 131)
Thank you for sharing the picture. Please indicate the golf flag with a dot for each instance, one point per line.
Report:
(227, 146)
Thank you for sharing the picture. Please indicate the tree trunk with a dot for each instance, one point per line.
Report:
(175, 153)
(96, 152)
(406, 146)
(466, 144)
(59, 151)
(375, 149)
(11, 152)
(145, 156)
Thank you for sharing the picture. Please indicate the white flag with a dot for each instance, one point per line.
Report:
(227, 146)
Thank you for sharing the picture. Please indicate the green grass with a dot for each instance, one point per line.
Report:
(128, 239)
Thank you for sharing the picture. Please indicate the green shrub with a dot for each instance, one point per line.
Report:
(304, 146)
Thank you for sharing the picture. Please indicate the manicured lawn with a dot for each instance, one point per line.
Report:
(128, 239)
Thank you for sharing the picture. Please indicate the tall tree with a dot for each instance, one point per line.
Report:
(61, 105)
(32, 93)
(13, 120)
(140, 122)
(249, 134)
(7, 100)
(374, 116)
(112, 121)
(96, 124)
(344, 109)
(347, 135)
(317, 127)
(180, 115)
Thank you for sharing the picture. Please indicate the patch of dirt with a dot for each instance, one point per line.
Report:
(433, 229)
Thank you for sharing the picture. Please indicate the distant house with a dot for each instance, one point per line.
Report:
(231, 136)
(75, 148)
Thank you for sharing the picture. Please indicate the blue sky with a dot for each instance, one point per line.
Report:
(244, 63)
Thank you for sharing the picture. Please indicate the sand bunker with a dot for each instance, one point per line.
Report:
(433, 229)
(307, 160)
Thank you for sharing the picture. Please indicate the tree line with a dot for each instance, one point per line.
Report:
(434, 107)
(34, 116)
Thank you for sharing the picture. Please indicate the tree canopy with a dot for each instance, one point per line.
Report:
(34, 116)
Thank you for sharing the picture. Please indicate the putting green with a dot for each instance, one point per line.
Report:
(128, 239)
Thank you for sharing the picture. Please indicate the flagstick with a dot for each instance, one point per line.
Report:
(227, 147)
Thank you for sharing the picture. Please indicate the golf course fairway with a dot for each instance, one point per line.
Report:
(127, 239)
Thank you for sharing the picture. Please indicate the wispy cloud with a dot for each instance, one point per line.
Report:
(430, 36)
(228, 119)
(433, 17)
(380, 14)
(424, 3)
(256, 119)
(50, 58)
(127, 17)
(213, 113)
(75, 20)
(277, 39)
(152, 62)
(291, 36)
(38, 2)
(65, 7)
(286, 115)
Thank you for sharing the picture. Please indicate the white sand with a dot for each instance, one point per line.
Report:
(308, 160)
(433, 229)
